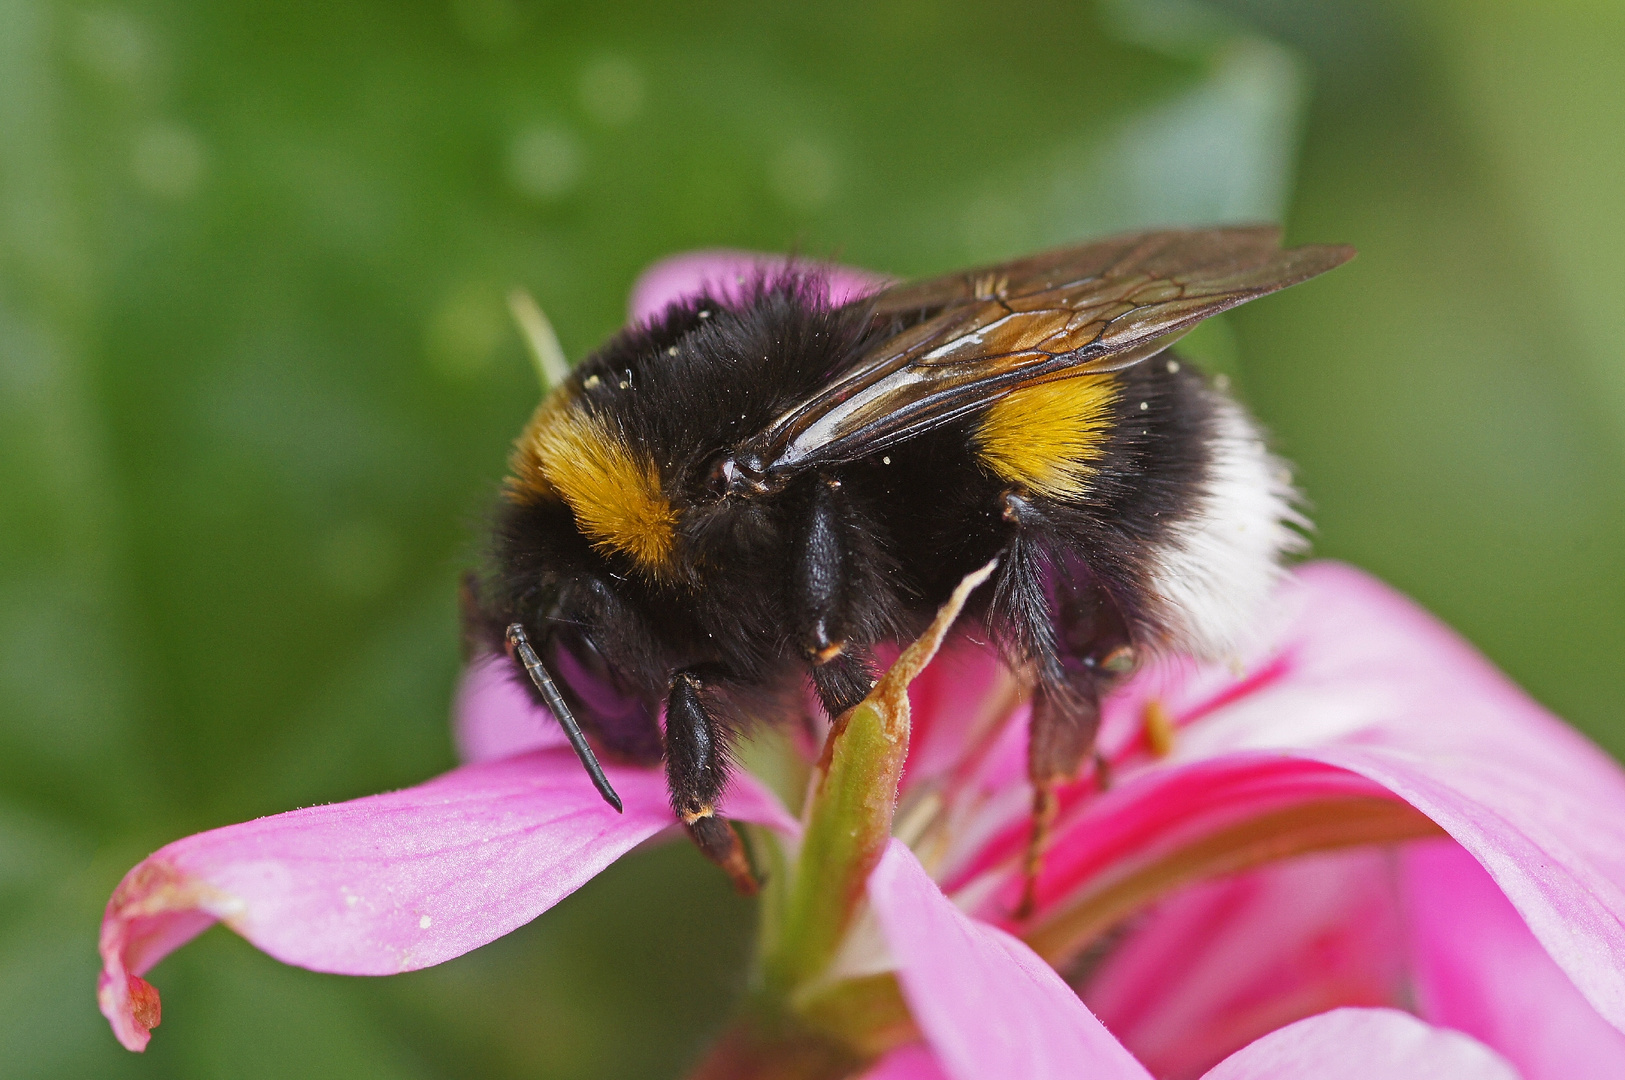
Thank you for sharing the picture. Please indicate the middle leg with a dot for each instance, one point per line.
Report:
(821, 597)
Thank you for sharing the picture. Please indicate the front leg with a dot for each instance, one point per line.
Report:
(696, 773)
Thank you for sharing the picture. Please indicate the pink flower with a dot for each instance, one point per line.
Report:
(1358, 726)
(1358, 851)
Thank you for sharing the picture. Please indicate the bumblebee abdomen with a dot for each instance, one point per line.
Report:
(1186, 516)
(1152, 482)
(1048, 438)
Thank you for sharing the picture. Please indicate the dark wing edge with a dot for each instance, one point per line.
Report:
(1093, 308)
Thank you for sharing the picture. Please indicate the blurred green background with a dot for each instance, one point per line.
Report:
(257, 384)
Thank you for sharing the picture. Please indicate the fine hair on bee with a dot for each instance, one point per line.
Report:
(746, 493)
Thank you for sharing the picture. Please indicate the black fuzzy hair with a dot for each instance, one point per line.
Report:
(709, 372)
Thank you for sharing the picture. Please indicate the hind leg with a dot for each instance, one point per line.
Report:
(1068, 625)
(1066, 715)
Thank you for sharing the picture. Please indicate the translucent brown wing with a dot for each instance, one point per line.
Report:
(1093, 308)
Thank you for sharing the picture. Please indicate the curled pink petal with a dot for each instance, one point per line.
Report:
(1151, 818)
(390, 882)
(1478, 969)
(493, 717)
(1538, 806)
(1364, 1044)
(1361, 690)
(1538, 841)
(725, 273)
(1215, 966)
(987, 1004)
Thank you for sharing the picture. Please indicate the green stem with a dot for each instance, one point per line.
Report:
(795, 1027)
(849, 816)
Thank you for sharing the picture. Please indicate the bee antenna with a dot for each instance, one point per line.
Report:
(561, 711)
(545, 351)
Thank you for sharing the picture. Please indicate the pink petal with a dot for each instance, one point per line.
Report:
(1541, 842)
(914, 1062)
(387, 883)
(493, 717)
(1478, 969)
(1150, 818)
(949, 705)
(724, 273)
(1364, 1044)
(1219, 964)
(987, 1004)
(1361, 689)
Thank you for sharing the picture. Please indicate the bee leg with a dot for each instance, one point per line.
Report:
(1075, 633)
(1094, 653)
(696, 772)
(820, 578)
(1061, 733)
(844, 681)
(820, 588)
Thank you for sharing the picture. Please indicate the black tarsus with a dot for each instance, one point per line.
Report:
(696, 768)
(696, 772)
(561, 712)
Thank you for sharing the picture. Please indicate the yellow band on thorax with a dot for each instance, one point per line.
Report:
(614, 491)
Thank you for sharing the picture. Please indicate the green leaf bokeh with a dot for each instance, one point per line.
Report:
(257, 383)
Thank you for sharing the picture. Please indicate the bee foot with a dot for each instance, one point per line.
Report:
(718, 842)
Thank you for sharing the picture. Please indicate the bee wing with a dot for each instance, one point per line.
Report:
(1081, 310)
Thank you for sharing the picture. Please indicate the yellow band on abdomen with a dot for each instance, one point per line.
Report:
(1047, 437)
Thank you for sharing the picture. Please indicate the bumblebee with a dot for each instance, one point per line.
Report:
(753, 489)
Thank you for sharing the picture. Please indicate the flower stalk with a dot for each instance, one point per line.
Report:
(799, 1023)
(849, 813)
